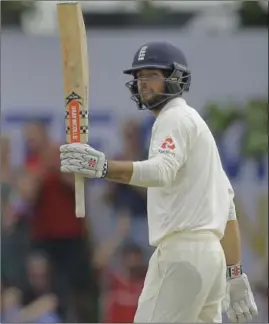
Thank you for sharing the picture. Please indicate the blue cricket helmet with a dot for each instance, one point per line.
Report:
(165, 57)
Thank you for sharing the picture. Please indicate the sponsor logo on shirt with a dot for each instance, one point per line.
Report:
(168, 146)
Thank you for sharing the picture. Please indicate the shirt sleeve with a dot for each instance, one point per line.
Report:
(170, 143)
(232, 211)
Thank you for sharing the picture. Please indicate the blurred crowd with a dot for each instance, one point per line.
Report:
(52, 268)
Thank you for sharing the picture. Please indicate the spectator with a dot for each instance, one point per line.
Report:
(127, 200)
(10, 301)
(37, 147)
(16, 190)
(15, 240)
(55, 229)
(37, 302)
(5, 172)
(5, 176)
(124, 286)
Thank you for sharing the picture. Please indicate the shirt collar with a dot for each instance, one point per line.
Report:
(176, 102)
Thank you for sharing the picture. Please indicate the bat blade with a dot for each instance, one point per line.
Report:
(76, 83)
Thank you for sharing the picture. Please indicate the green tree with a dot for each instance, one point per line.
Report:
(254, 117)
(11, 11)
(252, 14)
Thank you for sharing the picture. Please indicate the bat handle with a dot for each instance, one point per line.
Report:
(80, 196)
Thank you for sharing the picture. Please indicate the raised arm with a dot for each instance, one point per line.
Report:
(169, 147)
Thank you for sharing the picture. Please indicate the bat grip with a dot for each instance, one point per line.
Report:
(80, 196)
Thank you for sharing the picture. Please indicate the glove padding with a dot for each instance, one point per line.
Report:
(83, 159)
(239, 303)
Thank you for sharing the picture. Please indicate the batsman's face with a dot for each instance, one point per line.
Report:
(150, 83)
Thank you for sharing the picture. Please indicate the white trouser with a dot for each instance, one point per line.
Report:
(185, 282)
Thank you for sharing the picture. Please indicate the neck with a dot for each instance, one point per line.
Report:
(156, 112)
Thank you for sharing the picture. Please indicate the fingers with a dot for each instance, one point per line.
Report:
(239, 313)
(250, 302)
(248, 317)
(69, 169)
(239, 310)
(78, 150)
(232, 315)
(77, 160)
(246, 311)
(73, 155)
(73, 147)
(77, 164)
(74, 162)
(68, 155)
(253, 310)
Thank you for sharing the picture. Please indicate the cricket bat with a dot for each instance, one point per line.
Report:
(76, 83)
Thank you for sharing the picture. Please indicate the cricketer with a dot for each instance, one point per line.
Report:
(195, 272)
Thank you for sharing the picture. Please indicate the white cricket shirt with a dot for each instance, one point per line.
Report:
(187, 186)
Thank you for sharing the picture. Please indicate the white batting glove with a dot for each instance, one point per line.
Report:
(83, 159)
(239, 303)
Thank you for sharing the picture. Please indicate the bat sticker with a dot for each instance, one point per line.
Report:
(73, 105)
(73, 96)
(83, 114)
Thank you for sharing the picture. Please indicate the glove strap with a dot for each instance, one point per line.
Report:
(104, 172)
(234, 271)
